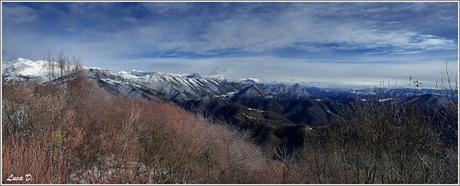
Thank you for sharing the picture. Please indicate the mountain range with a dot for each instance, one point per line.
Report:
(273, 113)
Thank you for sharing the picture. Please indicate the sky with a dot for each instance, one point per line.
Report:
(325, 43)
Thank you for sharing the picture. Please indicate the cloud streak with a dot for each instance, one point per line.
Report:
(272, 69)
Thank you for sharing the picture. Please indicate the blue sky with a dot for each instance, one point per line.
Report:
(335, 43)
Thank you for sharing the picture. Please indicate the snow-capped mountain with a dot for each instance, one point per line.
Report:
(157, 84)
(168, 85)
(25, 69)
(171, 86)
(197, 87)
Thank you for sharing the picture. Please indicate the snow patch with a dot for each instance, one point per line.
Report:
(230, 94)
(257, 110)
(249, 80)
(386, 99)
(127, 75)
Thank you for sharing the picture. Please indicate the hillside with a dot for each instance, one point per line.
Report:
(94, 137)
(94, 126)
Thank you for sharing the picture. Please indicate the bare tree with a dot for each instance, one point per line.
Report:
(50, 66)
(449, 82)
(61, 62)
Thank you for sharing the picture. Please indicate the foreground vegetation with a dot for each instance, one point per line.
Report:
(75, 132)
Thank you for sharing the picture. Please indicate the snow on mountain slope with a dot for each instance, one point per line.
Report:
(25, 69)
(180, 86)
(194, 86)
(171, 86)
(168, 85)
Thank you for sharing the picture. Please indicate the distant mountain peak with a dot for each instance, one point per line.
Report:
(193, 75)
(249, 80)
(23, 68)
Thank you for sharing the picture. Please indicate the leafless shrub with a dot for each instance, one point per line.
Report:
(80, 134)
(381, 143)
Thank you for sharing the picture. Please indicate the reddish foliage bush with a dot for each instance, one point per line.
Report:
(80, 134)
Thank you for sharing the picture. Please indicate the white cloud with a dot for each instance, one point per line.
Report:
(19, 14)
(297, 26)
(283, 29)
(288, 29)
(273, 69)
